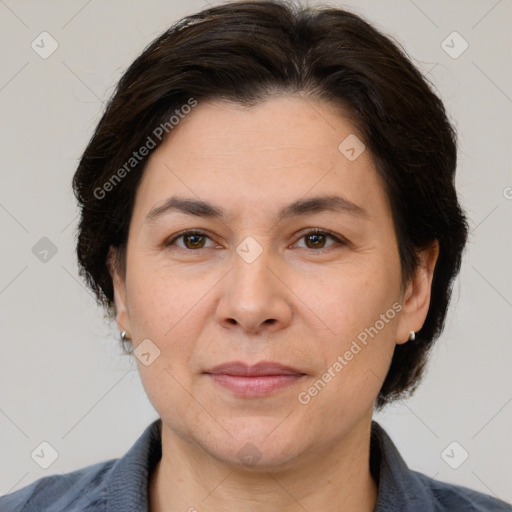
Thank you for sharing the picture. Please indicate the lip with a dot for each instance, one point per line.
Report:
(263, 368)
(257, 380)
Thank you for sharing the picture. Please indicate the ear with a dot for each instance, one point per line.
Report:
(119, 284)
(416, 298)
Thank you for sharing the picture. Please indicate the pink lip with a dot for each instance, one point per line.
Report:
(253, 381)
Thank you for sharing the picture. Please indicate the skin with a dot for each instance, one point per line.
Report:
(300, 303)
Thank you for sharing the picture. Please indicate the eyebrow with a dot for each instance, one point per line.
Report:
(198, 208)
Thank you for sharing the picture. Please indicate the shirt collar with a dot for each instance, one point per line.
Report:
(399, 488)
(128, 486)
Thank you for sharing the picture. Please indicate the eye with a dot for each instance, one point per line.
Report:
(317, 238)
(191, 240)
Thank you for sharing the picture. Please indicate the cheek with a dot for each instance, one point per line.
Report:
(359, 308)
(351, 298)
(162, 300)
(164, 307)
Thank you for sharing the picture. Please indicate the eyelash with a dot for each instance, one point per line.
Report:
(316, 231)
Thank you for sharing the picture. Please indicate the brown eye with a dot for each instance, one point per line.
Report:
(190, 240)
(194, 241)
(315, 240)
(318, 239)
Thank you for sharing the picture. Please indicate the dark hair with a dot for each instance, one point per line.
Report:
(243, 52)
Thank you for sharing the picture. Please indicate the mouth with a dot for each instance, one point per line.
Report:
(258, 380)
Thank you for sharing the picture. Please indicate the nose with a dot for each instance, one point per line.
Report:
(254, 297)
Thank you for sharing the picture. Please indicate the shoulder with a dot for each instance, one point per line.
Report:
(455, 498)
(113, 485)
(83, 489)
(401, 488)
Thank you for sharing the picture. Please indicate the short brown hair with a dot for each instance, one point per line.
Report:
(244, 51)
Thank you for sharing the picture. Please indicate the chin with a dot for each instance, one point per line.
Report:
(255, 445)
(252, 458)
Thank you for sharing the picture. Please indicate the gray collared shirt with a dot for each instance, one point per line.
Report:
(121, 485)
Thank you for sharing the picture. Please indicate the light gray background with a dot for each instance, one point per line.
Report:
(63, 379)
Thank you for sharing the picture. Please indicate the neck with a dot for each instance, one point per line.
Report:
(335, 479)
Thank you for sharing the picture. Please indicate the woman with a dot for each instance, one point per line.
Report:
(268, 211)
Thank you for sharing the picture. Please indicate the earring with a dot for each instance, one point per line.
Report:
(124, 337)
(412, 335)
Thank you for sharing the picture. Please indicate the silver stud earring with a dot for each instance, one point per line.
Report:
(412, 335)
(124, 337)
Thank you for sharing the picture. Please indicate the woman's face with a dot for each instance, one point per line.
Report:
(257, 286)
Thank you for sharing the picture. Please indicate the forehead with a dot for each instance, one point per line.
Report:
(262, 157)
